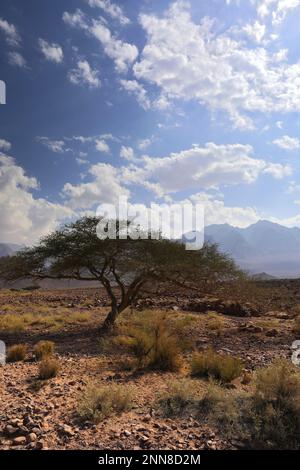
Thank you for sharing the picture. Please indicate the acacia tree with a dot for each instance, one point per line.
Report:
(123, 267)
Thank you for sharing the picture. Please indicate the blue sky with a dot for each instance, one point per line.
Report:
(157, 100)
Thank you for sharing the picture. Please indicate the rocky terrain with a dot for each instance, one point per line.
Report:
(42, 414)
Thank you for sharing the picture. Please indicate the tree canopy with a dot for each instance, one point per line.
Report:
(124, 267)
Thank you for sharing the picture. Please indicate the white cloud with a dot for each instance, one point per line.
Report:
(145, 143)
(56, 146)
(52, 52)
(216, 212)
(113, 10)
(11, 33)
(105, 187)
(127, 153)
(211, 166)
(85, 75)
(276, 10)
(191, 61)
(24, 218)
(293, 187)
(136, 89)
(255, 31)
(5, 145)
(77, 19)
(15, 58)
(123, 53)
(102, 146)
(287, 143)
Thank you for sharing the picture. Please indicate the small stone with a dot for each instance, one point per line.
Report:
(32, 437)
(39, 445)
(18, 441)
(67, 430)
(127, 433)
(10, 430)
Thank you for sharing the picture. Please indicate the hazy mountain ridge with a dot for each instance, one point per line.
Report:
(261, 247)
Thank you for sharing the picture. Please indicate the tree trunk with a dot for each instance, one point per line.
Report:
(110, 319)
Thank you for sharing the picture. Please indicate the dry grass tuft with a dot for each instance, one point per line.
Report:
(97, 403)
(16, 353)
(43, 349)
(217, 366)
(48, 368)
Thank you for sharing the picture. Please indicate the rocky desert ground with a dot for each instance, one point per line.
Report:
(163, 410)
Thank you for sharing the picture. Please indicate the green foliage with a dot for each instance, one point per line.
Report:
(76, 252)
(98, 402)
(220, 367)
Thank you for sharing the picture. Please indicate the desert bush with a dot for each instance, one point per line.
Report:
(12, 323)
(43, 349)
(16, 353)
(220, 367)
(215, 323)
(155, 347)
(48, 368)
(277, 405)
(269, 417)
(98, 402)
(180, 394)
(297, 325)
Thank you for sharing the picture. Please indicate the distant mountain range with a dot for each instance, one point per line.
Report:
(8, 249)
(264, 247)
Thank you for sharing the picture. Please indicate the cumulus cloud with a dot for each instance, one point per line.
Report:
(216, 211)
(10, 32)
(287, 143)
(122, 53)
(5, 145)
(136, 89)
(104, 187)
(15, 58)
(24, 218)
(276, 10)
(52, 52)
(111, 9)
(56, 146)
(85, 75)
(127, 153)
(76, 19)
(211, 166)
(102, 146)
(194, 61)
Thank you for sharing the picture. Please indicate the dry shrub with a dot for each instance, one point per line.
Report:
(43, 349)
(178, 398)
(220, 367)
(269, 418)
(48, 368)
(277, 405)
(297, 325)
(12, 323)
(16, 353)
(99, 402)
(215, 323)
(155, 347)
